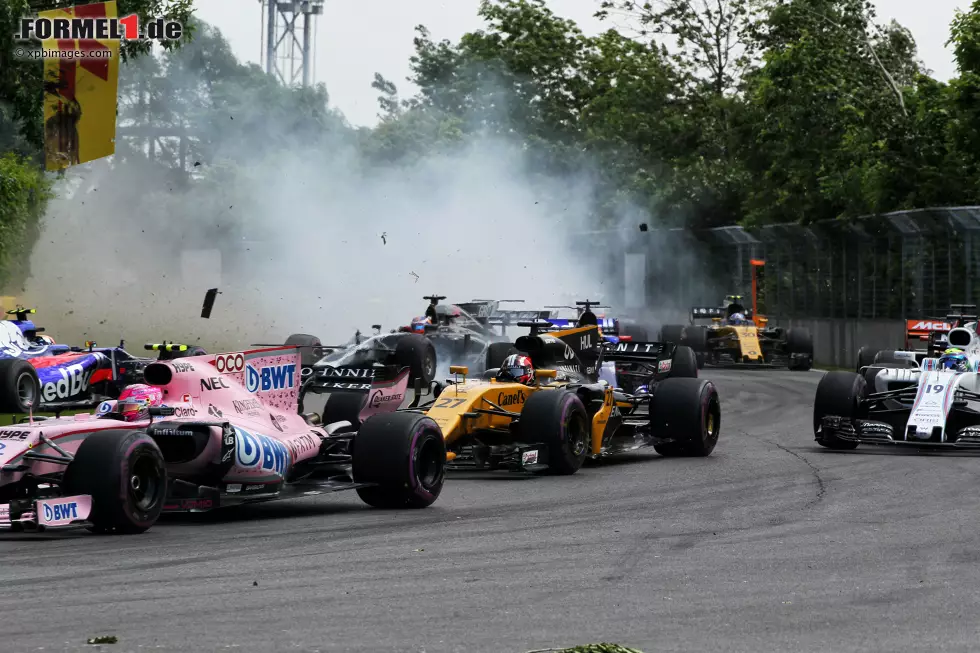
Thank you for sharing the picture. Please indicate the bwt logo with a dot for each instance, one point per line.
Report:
(60, 512)
(254, 451)
(74, 381)
(273, 377)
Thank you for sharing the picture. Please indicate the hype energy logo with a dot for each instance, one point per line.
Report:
(256, 451)
(270, 377)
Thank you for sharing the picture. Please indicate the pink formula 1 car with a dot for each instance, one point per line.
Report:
(216, 430)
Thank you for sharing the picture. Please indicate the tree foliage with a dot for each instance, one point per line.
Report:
(711, 112)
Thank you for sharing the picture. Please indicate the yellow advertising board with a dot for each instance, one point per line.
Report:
(80, 92)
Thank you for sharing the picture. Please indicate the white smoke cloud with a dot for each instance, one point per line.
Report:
(317, 239)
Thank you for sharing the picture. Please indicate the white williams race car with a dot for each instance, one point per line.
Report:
(936, 404)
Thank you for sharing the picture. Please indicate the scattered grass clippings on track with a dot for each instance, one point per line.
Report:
(602, 647)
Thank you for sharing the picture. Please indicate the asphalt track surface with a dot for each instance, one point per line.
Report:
(770, 544)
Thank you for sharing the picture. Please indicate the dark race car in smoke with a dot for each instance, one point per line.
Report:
(472, 333)
(36, 373)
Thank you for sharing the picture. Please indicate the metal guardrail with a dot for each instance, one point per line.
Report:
(893, 265)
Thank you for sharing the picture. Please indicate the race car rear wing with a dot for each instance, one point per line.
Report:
(639, 352)
(327, 378)
(706, 313)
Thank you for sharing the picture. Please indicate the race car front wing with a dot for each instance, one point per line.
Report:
(37, 515)
(869, 431)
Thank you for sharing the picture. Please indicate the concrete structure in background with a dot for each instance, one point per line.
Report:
(836, 341)
(289, 56)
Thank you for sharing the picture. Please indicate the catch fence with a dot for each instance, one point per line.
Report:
(895, 265)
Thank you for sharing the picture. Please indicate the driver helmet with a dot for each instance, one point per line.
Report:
(736, 318)
(135, 401)
(419, 323)
(516, 368)
(46, 339)
(955, 360)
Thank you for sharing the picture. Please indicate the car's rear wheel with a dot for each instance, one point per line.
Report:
(415, 352)
(673, 333)
(125, 474)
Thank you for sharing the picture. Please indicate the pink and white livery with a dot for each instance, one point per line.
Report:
(215, 430)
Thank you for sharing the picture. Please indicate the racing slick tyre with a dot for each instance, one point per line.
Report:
(888, 358)
(310, 348)
(696, 337)
(20, 389)
(689, 412)
(870, 374)
(636, 332)
(404, 454)
(126, 476)
(497, 352)
(558, 420)
(684, 364)
(672, 333)
(341, 406)
(866, 357)
(415, 352)
(799, 341)
(838, 393)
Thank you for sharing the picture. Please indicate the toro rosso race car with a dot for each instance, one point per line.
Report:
(206, 432)
(737, 337)
(545, 410)
(936, 404)
(613, 329)
(37, 373)
(924, 338)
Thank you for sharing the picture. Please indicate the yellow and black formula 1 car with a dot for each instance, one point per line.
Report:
(565, 414)
(736, 336)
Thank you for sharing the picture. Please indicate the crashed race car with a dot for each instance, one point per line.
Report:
(39, 374)
(924, 338)
(206, 432)
(934, 405)
(473, 333)
(546, 410)
(737, 337)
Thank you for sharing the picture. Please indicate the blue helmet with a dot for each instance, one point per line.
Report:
(736, 318)
(954, 360)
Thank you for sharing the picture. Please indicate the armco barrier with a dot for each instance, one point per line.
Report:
(836, 341)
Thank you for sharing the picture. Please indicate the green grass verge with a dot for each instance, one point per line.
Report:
(6, 419)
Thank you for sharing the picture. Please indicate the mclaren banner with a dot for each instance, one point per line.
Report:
(81, 79)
